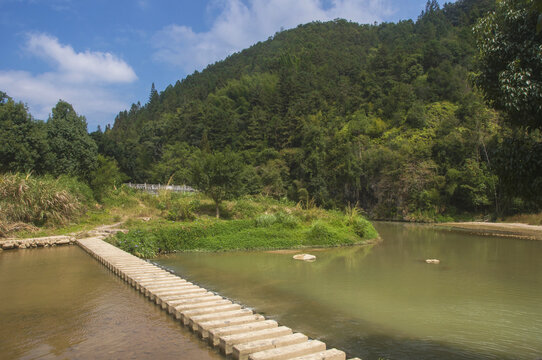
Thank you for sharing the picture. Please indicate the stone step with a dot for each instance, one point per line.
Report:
(198, 305)
(171, 305)
(216, 334)
(189, 314)
(159, 280)
(170, 285)
(170, 291)
(180, 293)
(134, 277)
(196, 320)
(157, 283)
(263, 347)
(205, 326)
(290, 351)
(331, 354)
(138, 284)
(175, 301)
(173, 283)
(228, 341)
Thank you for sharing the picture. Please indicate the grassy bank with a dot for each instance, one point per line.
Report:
(187, 224)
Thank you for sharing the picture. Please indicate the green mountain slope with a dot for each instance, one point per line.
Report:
(379, 115)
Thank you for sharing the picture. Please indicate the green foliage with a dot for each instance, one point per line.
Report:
(38, 201)
(73, 150)
(139, 243)
(23, 141)
(329, 114)
(106, 177)
(218, 175)
(509, 60)
(272, 225)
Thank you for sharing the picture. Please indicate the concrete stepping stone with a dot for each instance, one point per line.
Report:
(200, 304)
(160, 298)
(228, 341)
(195, 320)
(169, 291)
(175, 301)
(196, 290)
(171, 305)
(331, 354)
(282, 347)
(216, 334)
(206, 326)
(188, 314)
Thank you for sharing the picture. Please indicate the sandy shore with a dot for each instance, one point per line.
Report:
(522, 231)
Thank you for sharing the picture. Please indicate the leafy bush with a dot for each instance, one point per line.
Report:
(244, 208)
(265, 220)
(181, 211)
(139, 243)
(287, 220)
(320, 234)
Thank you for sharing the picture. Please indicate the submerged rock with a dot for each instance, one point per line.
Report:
(432, 261)
(305, 257)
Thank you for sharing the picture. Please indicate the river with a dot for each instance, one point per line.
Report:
(60, 303)
(483, 301)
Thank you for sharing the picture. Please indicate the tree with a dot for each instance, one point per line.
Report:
(105, 177)
(23, 143)
(510, 62)
(73, 149)
(217, 175)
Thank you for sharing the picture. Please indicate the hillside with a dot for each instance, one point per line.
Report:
(379, 115)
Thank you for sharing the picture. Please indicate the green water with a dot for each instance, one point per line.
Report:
(484, 301)
(59, 303)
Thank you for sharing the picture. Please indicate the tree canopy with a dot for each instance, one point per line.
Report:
(510, 60)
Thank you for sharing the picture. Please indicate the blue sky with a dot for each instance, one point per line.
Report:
(103, 55)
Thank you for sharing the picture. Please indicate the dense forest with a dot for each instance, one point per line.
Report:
(391, 117)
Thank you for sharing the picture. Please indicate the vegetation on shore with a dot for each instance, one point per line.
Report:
(167, 222)
(187, 223)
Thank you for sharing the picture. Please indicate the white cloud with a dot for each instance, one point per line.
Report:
(87, 80)
(42, 92)
(239, 25)
(83, 66)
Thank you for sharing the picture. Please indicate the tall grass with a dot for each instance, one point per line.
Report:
(39, 201)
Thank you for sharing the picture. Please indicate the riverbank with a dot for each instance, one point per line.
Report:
(515, 230)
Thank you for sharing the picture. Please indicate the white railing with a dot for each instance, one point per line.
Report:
(154, 188)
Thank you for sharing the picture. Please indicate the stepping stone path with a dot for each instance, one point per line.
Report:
(236, 331)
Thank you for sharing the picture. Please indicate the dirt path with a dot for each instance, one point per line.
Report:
(522, 231)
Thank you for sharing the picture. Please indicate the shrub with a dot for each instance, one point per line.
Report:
(244, 208)
(287, 220)
(137, 242)
(320, 234)
(265, 220)
(181, 211)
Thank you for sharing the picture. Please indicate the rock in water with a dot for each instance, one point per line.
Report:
(305, 257)
(432, 261)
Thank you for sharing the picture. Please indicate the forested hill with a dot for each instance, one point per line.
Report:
(379, 115)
